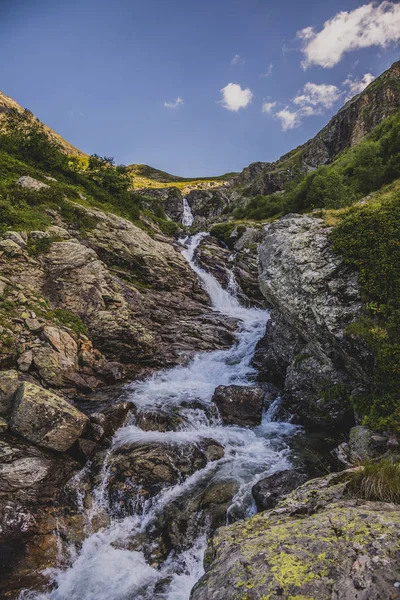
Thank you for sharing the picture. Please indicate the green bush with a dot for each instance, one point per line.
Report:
(261, 207)
(222, 231)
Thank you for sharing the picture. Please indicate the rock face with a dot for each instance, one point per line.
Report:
(169, 199)
(46, 419)
(207, 206)
(306, 348)
(235, 267)
(270, 491)
(108, 303)
(354, 121)
(315, 544)
(239, 405)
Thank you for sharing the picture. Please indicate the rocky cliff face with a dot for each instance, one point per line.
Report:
(350, 125)
(140, 302)
(314, 297)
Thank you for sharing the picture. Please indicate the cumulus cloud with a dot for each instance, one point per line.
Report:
(313, 99)
(289, 119)
(238, 60)
(369, 25)
(267, 107)
(178, 102)
(234, 97)
(356, 86)
(318, 96)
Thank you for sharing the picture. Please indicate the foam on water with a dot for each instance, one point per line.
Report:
(106, 567)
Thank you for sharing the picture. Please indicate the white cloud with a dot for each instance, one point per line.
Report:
(319, 96)
(289, 119)
(314, 99)
(369, 25)
(267, 107)
(237, 59)
(269, 71)
(234, 98)
(178, 102)
(356, 86)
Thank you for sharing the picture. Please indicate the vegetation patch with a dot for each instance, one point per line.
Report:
(377, 481)
(368, 237)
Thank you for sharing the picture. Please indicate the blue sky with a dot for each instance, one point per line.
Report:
(108, 75)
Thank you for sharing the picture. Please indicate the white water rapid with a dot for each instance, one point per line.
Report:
(112, 563)
(187, 217)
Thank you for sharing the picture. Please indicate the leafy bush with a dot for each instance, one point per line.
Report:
(261, 207)
(222, 231)
(377, 481)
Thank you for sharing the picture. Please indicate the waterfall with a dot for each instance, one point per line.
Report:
(187, 217)
(112, 564)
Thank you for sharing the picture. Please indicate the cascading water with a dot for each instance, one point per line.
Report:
(187, 217)
(112, 564)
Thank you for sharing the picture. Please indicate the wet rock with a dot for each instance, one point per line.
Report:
(270, 491)
(239, 405)
(140, 471)
(8, 387)
(204, 505)
(46, 419)
(314, 544)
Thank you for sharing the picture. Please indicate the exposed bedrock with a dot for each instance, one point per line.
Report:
(317, 543)
(306, 349)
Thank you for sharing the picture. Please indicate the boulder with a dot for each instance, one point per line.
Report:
(139, 471)
(8, 388)
(30, 183)
(317, 543)
(46, 419)
(270, 491)
(239, 405)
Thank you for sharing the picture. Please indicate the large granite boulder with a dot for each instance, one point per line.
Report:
(239, 405)
(46, 419)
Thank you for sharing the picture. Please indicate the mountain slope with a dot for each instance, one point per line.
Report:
(358, 117)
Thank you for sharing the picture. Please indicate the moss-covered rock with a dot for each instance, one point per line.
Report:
(46, 419)
(334, 549)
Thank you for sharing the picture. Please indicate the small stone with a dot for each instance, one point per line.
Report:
(393, 442)
(3, 425)
(33, 325)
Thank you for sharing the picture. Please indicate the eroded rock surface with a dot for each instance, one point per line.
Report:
(315, 544)
(306, 348)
